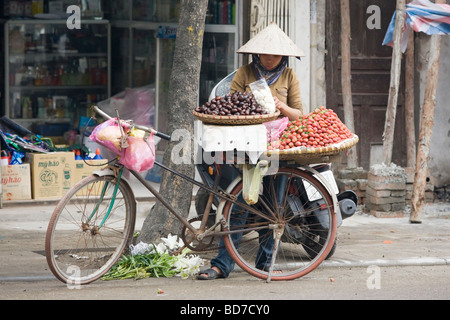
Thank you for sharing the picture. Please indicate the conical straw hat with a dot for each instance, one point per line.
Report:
(272, 40)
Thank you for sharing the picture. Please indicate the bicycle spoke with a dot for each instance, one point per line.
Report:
(76, 237)
(296, 233)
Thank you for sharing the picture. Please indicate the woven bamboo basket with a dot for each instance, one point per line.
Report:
(236, 120)
(313, 153)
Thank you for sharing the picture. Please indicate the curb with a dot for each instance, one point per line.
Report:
(427, 261)
(432, 261)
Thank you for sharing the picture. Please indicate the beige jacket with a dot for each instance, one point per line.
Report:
(286, 88)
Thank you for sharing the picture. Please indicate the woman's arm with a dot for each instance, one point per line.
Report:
(287, 111)
(239, 80)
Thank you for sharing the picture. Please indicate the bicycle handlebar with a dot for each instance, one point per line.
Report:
(105, 116)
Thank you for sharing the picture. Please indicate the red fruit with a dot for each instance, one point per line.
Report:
(321, 127)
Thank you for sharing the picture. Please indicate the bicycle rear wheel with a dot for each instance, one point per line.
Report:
(296, 218)
(89, 229)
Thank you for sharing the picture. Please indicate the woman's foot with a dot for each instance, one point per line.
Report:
(210, 274)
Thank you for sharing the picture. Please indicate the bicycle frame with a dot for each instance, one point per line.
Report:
(212, 191)
(102, 195)
(283, 225)
(222, 195)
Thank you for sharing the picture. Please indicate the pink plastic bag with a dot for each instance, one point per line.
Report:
(138, 156)
(275, 128)
(107, 134)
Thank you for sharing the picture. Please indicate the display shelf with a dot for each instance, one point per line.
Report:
(53, 73)
(144, 43)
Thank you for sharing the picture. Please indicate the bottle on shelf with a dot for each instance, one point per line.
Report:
(78, 155)
(97, 154)
(4, 158)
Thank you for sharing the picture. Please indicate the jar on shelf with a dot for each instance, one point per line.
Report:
(16, 41)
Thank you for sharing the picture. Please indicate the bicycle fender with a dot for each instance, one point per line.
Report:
(109, 172)
(104, 172)
(325, 183)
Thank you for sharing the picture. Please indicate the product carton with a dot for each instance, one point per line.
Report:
(83, 169)
(16, 182)
(52, 174)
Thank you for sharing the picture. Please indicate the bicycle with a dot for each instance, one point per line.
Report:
(295, 218)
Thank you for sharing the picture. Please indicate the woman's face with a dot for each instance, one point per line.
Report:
(270, 61)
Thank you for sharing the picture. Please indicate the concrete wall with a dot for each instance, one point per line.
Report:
(318, 91)
(300, 34)
(308, 23)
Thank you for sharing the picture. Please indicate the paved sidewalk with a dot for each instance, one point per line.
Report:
(363, 240)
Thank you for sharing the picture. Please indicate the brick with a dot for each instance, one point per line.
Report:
(398, 193)
(360, 194)
(344, 174)
(377, 193)
(378, 207)
(410, 173)
(408, 195)
(346, 184)
(386, 179)
(353, 174)
(398, 206)
(429, 196)
(386, 185)
(383, 214)
(361, 184)
(360, 173)
(384, 200)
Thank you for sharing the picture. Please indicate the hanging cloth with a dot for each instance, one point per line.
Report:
(421, 16)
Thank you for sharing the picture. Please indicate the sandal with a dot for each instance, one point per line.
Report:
(211, 275)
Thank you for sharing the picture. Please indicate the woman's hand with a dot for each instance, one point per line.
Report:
(279, 105)
(287, 111)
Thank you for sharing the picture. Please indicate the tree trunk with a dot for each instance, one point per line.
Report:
(426, 128)
(410, 129)
(184, 84)
(346, 77)
(391, 111)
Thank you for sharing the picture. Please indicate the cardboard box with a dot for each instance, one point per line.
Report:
(16, 182)
(52, 174)
(83, 169)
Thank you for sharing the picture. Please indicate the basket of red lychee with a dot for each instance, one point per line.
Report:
(318, 133)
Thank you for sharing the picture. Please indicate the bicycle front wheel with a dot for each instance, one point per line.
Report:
(292, 233)
(89, 229)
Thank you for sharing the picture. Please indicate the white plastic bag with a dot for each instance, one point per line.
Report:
(252, 176)
(263, 95)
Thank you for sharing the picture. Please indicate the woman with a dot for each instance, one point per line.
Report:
(282, 81)
(270, 50)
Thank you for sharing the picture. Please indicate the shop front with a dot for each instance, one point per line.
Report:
(53, 74)
(143, 40)
(123, 51)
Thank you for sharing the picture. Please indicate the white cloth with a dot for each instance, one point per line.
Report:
(251, 139)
